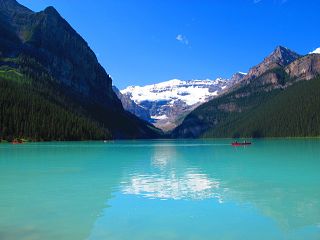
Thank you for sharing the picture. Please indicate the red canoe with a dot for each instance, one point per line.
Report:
(240, 143)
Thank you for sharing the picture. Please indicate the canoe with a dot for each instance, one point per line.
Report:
(240, 143)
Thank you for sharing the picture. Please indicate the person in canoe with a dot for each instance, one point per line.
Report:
(236, 143)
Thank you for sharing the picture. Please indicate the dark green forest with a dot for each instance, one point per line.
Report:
(34, 107)
(28, 110)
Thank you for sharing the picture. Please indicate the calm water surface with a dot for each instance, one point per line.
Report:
(160, 190)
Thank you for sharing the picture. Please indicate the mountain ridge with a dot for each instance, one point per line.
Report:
(236, 113)
(280, 57)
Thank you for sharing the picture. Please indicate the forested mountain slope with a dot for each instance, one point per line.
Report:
(44, 60)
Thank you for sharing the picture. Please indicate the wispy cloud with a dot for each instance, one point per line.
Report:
(256, 1)
(183, 39)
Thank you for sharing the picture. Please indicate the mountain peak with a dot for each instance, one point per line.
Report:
(282, 56)
(280, 51)
(51, 10)
(281, 48)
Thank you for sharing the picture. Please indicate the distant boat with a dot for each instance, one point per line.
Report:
(17, 141)
(245, 143)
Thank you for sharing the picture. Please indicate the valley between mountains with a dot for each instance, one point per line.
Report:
(279, 97)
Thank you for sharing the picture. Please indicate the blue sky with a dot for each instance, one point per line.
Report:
(148, 41)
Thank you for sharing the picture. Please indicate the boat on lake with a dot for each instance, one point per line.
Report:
(245, 143)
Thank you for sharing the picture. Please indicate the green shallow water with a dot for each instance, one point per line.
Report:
(160, 190)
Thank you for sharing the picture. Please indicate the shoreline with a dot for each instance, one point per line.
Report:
(24, 141)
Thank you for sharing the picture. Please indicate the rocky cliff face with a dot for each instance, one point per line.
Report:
(78, 67)
(237, 77)
(284, 75)
(269, 74)
(131, 106)
(280, 57)
(48, 38)
(306, 67)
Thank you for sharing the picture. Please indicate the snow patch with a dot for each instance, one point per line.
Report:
(191, 92)
(243, 73)
(159, 117)
(317, 51)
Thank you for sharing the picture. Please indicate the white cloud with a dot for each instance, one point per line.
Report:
(183, 39)
(256, 1)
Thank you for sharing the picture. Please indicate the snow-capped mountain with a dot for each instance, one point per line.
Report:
(168, 102)
(316, 51)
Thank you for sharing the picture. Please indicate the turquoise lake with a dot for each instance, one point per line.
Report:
(162, 190)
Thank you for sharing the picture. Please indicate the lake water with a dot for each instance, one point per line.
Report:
(160, 190)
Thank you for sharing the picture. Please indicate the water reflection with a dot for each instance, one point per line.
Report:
(166, 179)
(163, 156)
(190, 186)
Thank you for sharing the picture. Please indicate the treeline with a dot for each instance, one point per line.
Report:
(26, 112)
